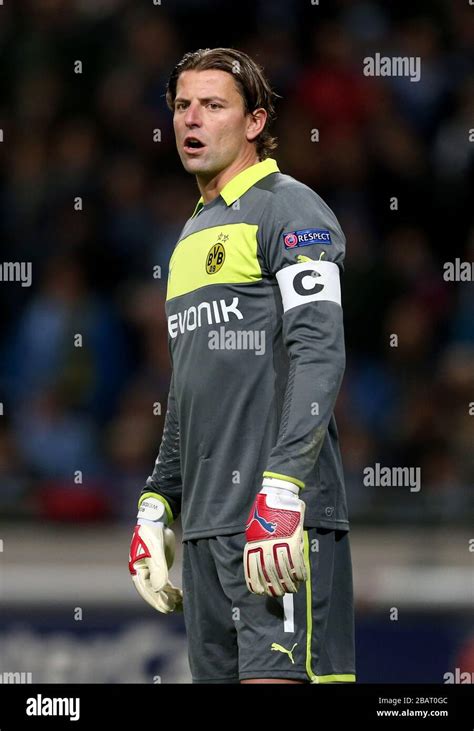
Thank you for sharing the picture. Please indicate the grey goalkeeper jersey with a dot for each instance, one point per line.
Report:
(256, 341)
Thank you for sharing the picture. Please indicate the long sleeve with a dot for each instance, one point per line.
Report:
(304, 247)
(165, 480)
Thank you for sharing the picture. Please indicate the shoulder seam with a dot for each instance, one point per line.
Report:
(271, 195)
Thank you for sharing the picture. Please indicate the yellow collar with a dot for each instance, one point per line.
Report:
(243, 181)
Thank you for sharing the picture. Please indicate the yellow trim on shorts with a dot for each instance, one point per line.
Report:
(309, 608)
(342, 678)
(334, 679)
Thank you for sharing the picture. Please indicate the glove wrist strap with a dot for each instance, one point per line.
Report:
(276, 484)
(152, 511)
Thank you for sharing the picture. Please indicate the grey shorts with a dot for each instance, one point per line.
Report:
(234, 634)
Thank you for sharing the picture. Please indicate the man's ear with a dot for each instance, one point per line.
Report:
(257, 122)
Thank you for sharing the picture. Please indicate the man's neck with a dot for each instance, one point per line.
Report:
(211, 188)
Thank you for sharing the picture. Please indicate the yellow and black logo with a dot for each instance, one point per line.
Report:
(215, 258)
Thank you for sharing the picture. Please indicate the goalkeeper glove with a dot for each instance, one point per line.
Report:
(273, 556)
(151, 555)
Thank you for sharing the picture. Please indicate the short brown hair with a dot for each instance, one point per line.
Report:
(251, 82)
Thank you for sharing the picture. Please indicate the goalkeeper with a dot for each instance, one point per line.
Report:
(250, 455)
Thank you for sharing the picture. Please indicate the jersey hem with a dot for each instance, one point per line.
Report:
(240, 528)
(330, 524)
(228, 681)
(210, 532)
(276, 674)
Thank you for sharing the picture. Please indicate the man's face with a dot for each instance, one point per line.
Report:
(209, 108)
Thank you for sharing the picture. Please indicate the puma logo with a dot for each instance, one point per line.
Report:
(301, 258)
(279, 648)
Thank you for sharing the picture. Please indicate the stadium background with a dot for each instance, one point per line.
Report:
(69, 610)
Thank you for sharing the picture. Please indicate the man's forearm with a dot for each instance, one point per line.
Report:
(165, 480)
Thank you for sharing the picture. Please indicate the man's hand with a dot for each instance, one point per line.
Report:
(151, 555)
(273, 556)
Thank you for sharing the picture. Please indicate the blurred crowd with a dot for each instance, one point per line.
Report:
(81, 426)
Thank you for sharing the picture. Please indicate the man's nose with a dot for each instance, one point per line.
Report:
(193, 115)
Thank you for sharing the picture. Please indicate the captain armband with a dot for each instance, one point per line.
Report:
(310, 281)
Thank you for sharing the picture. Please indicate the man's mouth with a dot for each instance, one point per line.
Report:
(191, 144)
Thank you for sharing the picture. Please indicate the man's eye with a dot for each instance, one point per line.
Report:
(214, 104)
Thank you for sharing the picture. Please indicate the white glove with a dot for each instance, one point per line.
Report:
(151, 555)
(274, 553)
